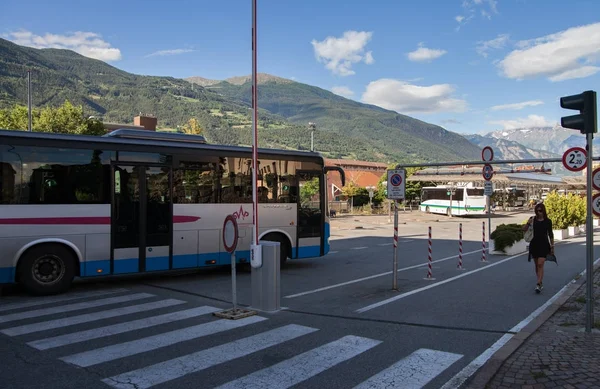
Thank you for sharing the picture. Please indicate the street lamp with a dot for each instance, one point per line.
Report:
(371, 190)
(312, 127)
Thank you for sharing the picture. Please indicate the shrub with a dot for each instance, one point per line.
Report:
(565, 211)
(506, 235)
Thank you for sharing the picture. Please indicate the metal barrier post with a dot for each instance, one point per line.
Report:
(266, 285)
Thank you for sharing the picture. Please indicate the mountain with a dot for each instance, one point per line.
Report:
(390, 133)
(534, 143)
(505, 149)
(346, 129)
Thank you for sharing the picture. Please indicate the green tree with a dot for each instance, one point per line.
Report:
(66, 119)
(350, 190)
(308, 190)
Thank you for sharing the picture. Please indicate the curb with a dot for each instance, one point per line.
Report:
(487, 372)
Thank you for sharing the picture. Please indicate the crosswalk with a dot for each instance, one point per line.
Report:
(139, 340)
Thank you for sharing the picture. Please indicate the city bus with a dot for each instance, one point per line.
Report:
(453, 200)
(136, 201)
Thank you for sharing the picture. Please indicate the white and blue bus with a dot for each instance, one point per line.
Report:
(453, 200)
(136, 201)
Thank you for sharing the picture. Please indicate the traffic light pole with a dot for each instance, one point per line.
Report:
(589, 268)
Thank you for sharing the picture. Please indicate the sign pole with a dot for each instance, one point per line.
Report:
(233, 282)
(395, 280)
(589, 322)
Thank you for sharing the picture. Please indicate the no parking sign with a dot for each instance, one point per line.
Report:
(396, 185)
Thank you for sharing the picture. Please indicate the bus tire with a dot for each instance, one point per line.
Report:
(47, 269)
(284, 246)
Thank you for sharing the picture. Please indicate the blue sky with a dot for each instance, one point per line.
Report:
(467, 65)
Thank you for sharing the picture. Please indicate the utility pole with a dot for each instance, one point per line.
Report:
(29, 100)
(312, 126)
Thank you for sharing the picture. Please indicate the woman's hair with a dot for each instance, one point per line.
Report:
(543, 208)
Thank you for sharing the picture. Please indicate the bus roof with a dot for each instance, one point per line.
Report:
(138, 142)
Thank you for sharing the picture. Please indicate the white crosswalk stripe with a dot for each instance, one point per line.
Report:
(82, 336)
(117, 351)
(89, 317)
(304, 366)
(412, 372)
(73, 307)
(201, 360)
(57, 299)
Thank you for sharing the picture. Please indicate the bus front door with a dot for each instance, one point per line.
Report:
(310, 215)
(141, 219)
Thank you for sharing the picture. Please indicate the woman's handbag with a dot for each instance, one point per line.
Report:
(528, 236)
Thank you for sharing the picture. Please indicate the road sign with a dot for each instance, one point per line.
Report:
(574, 159)
(596, 178)
(396, 185)
(596, 204)
(487, 154)
(487, 172)
(488, 188)
(230, 233)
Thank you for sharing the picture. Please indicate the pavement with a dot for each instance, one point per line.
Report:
(553, 351)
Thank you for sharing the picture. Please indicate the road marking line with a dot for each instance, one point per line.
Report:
(385, 244)
(88, 317)
(359, 248)
(126, 349)
(412, 372)
(478, 362)
(73, 307)
(95, 333)
(149, 376)
(304, 366)
(58, 299)
(403, 295)
(407, 241)
(373, 276)
(333, 252)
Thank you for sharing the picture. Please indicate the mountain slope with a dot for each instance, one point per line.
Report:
(346, 129)
(390, 132)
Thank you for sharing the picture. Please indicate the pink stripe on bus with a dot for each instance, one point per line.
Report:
(85, 220)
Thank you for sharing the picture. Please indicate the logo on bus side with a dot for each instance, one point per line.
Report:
(241, 213)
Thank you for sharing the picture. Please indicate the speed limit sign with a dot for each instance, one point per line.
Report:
(575, 159)
(596, 204)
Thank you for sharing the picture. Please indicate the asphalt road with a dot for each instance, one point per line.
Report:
(341, 327)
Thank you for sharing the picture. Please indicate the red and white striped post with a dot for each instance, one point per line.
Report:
(460, 251)
(395, 269)
(429, 274)
(483, 245)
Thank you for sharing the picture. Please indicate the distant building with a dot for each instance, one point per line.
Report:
(140, 122)
(361, 173)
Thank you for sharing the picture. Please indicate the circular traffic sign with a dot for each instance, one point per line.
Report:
(230, 233)
(396, 179)
(574, 159)
(596, 178)
(596, 204)
(487, 172)
(487, 154)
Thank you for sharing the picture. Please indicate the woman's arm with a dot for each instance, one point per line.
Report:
(526, 226)
(551, 235)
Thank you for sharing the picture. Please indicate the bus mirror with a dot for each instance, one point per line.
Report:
(339, 170)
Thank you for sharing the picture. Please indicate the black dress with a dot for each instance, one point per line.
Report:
(539, 247)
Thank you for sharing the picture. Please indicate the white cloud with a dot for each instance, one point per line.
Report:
(529, 121)
(403, 97)
(163, 53)
(459, 18)
(517, 106)
(339, 54)
(493, 44)
(342, 91)
(88, 44)
(486, 9)
(425, 54)
(561, 56)
(582, 72)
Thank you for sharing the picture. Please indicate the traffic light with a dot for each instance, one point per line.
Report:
(586, 121)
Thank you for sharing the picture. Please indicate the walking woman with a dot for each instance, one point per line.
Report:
(542, 243)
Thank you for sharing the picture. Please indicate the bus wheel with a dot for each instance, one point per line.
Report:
(284, 246)
(47, 269)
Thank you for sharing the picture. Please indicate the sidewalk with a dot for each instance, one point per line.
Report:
(553, 351)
